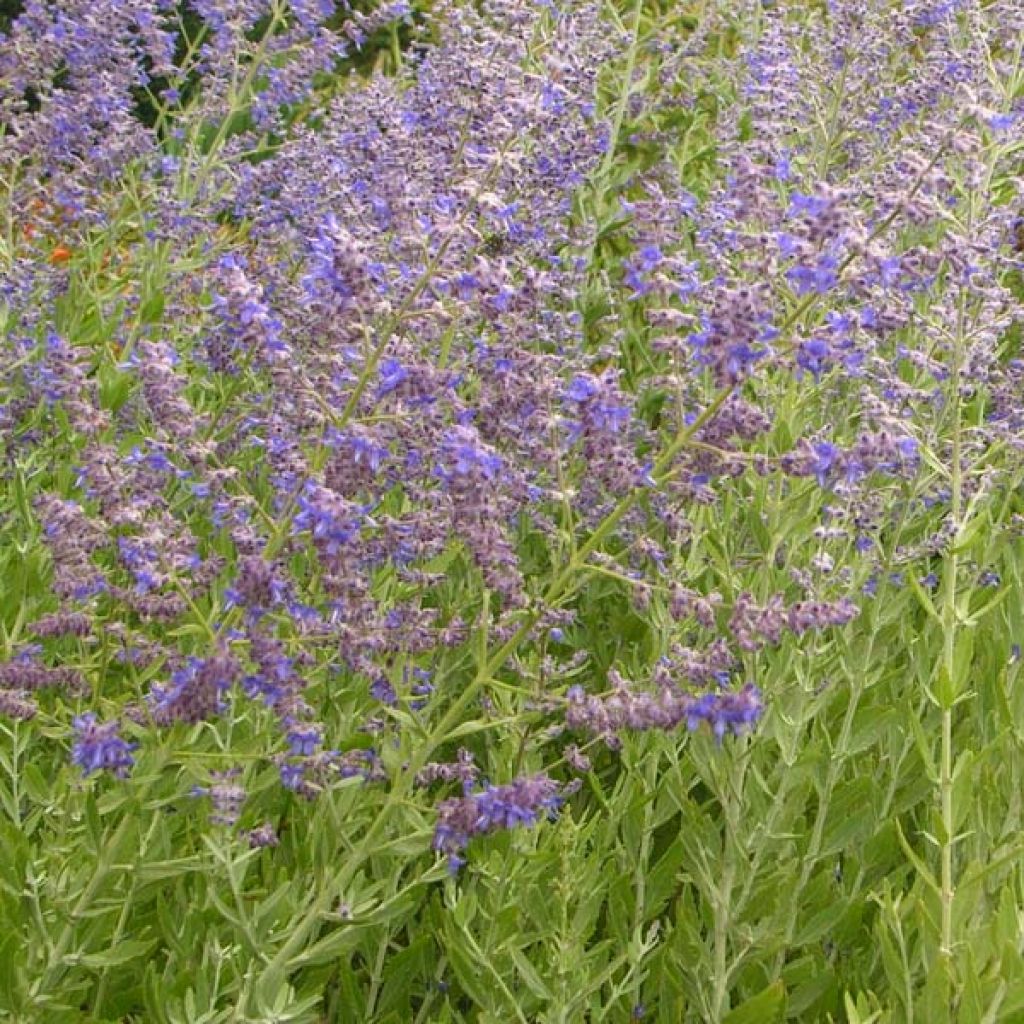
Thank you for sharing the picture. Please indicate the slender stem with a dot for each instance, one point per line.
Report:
(729, 798)
(949, 631)
(623, 104)
(239, 92)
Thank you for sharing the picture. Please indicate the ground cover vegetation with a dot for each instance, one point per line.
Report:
(510, 511)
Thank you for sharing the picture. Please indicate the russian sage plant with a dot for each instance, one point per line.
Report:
(511, 511)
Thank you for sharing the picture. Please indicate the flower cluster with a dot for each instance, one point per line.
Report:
(521, 802)
(99, 747)
(723, 712)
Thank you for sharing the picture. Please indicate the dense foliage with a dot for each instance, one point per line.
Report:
(528, 531)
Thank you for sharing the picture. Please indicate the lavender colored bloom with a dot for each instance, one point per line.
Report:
(99, 747)
(304, 739)
(332, 521)
(463, 770)
(226, 797)
(382, 690)
(17, 704)
(725, 711)
(257, 585)
(262, 837)
(465, 455)
(26, 673)
(1002, 122)
(814, 357)
(337, 270)
(196, 689)
(292, 775)
(392, 375)
(600, 406)
(246, 327)
(521, 802)
(817, 279)
(826, 456)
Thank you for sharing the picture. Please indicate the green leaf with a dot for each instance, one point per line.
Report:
(124, 952)
(341, 941)
(476, 984)
(923, 745)
(35, 783)
(975, 617)
(923, 597)
(968, 532)
(767, 1007)
(529, 974)
(919, 865)
(822, 922)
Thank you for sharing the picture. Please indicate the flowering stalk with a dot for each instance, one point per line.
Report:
(948, 675)
(238, 91)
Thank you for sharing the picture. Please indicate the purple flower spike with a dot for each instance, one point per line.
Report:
(98, 747)
(497, 807)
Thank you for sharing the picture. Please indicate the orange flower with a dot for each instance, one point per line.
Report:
(61, 254)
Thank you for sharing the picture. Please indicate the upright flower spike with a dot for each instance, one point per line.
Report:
(226, 795)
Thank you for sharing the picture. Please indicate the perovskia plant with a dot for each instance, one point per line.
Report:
(528, 531)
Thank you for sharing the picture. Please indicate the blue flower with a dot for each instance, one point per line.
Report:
(814, 356)
(521, 802)
(382, 690)
(98, 747)
(582, 388)
(465, 455)
(826, 459)
(819, 279)
(1001, 122)
(392, 374)
(292, 775)
(811, 206)
(303, 740)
